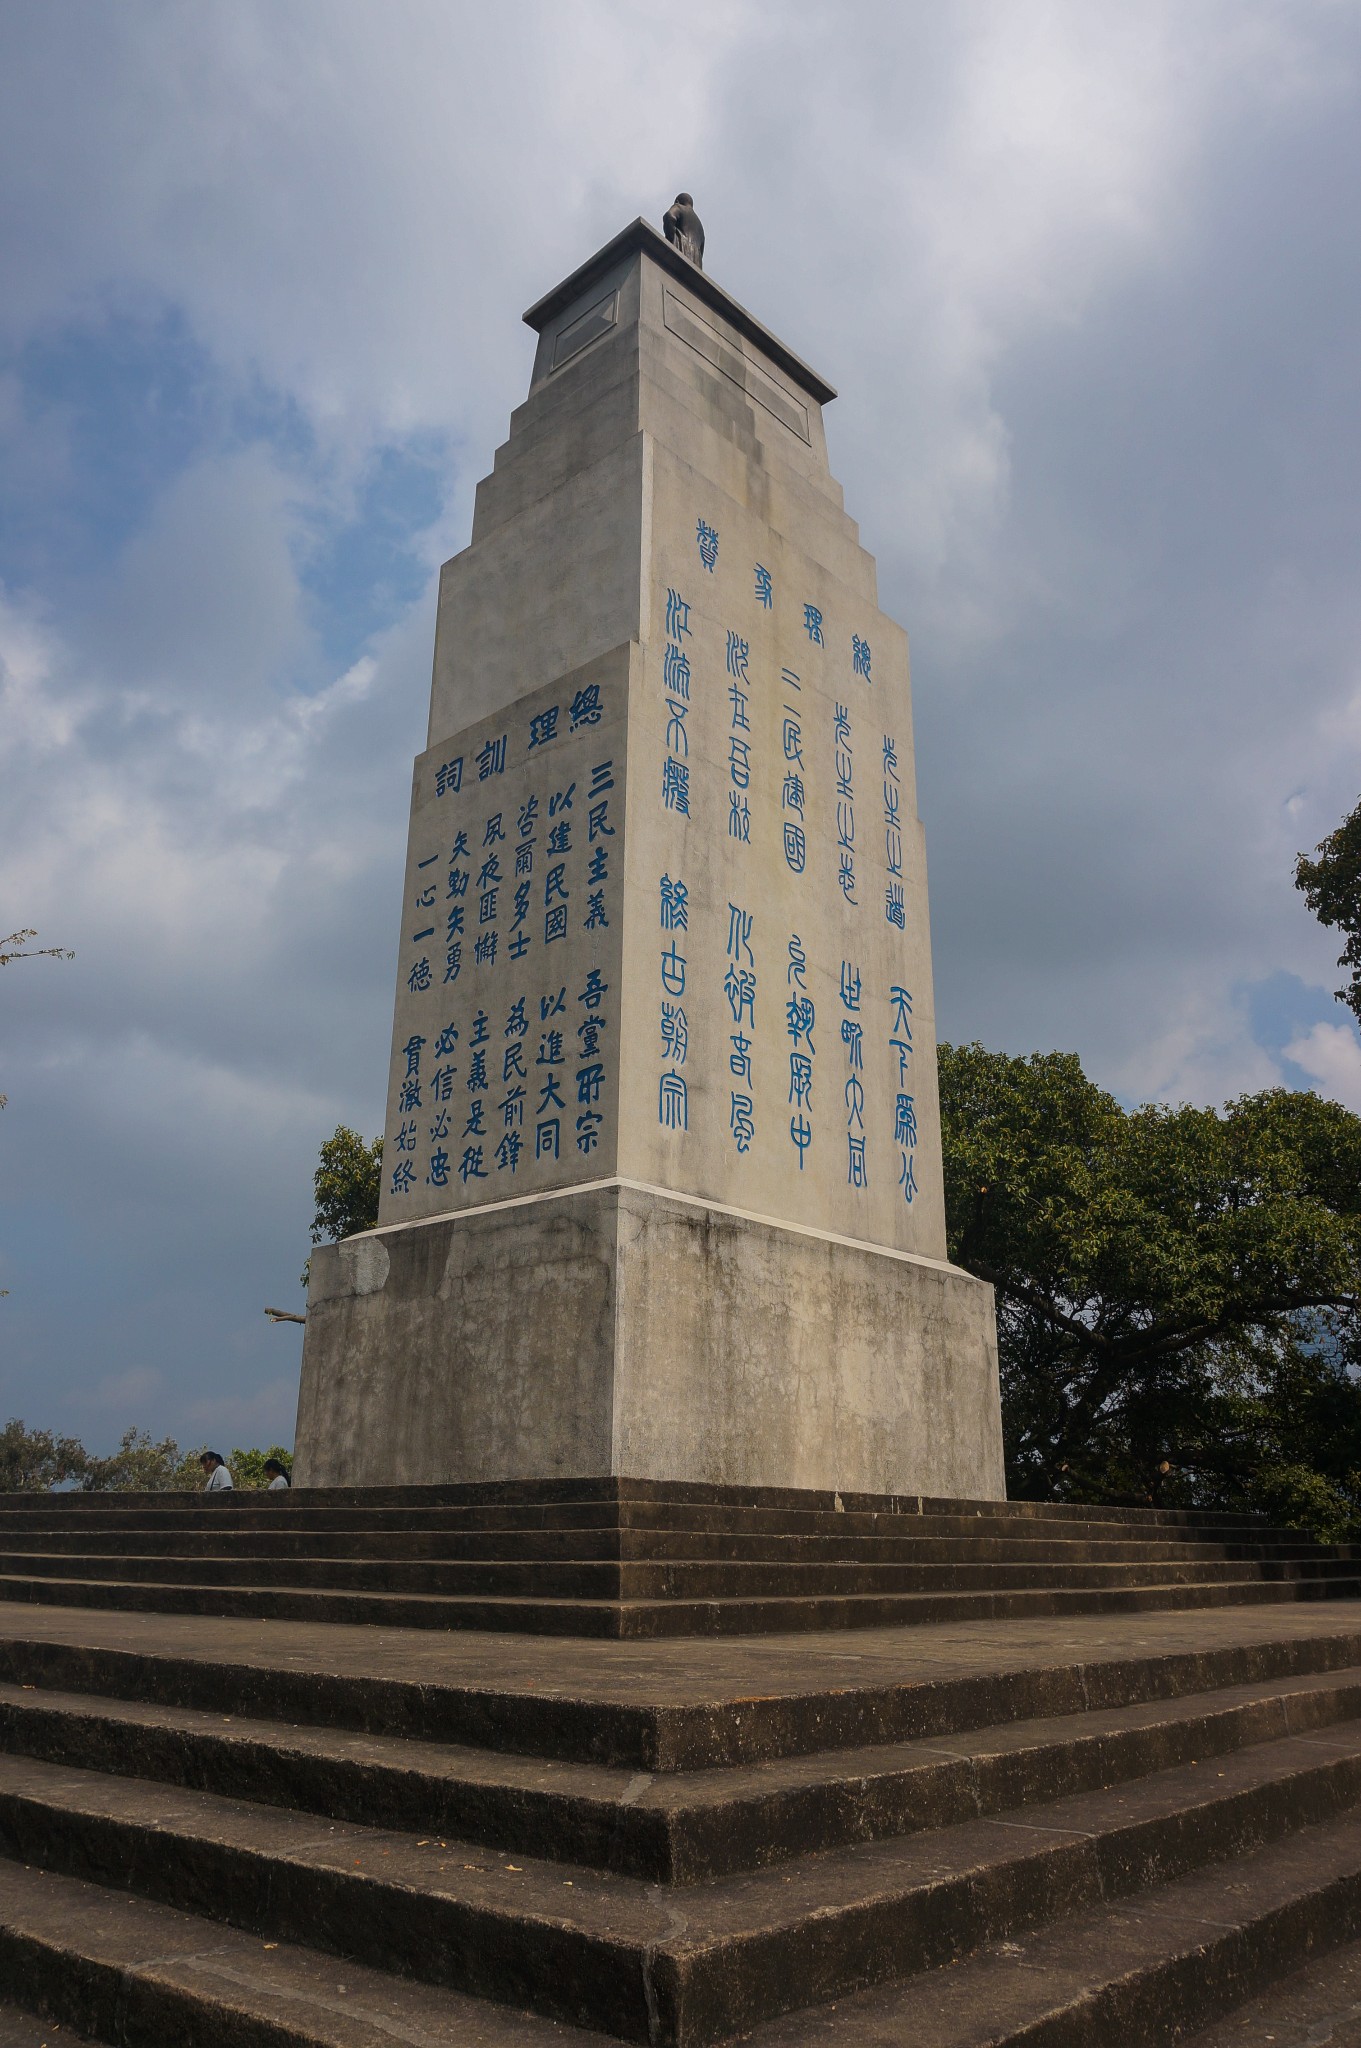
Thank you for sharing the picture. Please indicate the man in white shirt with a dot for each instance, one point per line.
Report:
(218, 1473)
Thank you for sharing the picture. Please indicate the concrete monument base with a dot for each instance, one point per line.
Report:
(618, 1329)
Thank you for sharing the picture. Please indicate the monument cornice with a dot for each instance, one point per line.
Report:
(641, 238)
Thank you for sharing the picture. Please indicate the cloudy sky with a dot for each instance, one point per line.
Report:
(1089, 281)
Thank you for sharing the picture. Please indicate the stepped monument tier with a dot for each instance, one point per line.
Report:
(662, 1190)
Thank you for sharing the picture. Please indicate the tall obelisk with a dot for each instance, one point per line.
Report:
(662, 1183)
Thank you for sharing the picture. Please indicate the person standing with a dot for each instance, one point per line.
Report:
(278, 1479)
(217, 1473)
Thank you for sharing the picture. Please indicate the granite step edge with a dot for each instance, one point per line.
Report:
(682, 1828)
(614, 1953)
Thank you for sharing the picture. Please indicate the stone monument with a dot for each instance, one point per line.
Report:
(662, 1183)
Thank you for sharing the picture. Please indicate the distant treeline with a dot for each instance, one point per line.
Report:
(35, 1461)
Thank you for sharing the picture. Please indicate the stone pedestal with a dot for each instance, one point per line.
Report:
(662, 1187)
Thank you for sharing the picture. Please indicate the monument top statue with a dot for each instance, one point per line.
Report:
(684, 229)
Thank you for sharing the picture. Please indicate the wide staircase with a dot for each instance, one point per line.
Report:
(638, 1558)
(1105, 1788)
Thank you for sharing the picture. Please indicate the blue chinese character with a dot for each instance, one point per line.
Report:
(739, 762)
(438, 1176)
(907, 1178)
(894, 908)
(800, 1080)
(445, 1043)
(675, 1033)
(801, 1134)
(406, 1136)
(798, 963)
(677, 738)
(845, 875)
(793, 739)
(739, 721)
(739, 934)
(860, 656)
(707, 541)
(484, 949)
(595, 911)
(792, 795)
(529, 812)
(902, 1004)
(584, 708)
(739, 818)
(676, 671)
(508, 1151)
(673, 971)
(739, 1059)
(470, 1166)
(677, 615)
(812, 624)
(491, 758)
(439, 1125)
(412, 1049)
(543, 728)
(740, 1121)
(555, 924)
(853, 1038)
(855, 1104)
(739, 986)
(590, 1081)
(402, 1177)
(675, 900)
(905, 1125)
(850, 986)
(495, 829)
(673, 1103)
(676, 786)
(449, 778)
(800, 1018)
(419, 978)
(477, 1071)
(739, 654)
(553, 1006)
(595, 991)
(857, 1174)
(546, 1136)
(453, 961)
(795, 846)
(765, 594)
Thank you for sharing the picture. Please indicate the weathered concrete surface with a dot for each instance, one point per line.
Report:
(619, 1329)
(664, 924)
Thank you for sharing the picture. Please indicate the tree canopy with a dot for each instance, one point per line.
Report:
(346, 1184)
(1332, 888)
(1178, 1290)
(34, 1461)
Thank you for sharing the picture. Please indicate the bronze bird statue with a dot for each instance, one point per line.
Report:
(684, 229)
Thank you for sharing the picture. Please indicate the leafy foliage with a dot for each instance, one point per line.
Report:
(1332, 888)
(346, 1184)
(1178, 1290)
(34, 1461)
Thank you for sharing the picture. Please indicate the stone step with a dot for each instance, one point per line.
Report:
(528, 1495)
(668, 1706)
(19, 2029)
(1004, 1520)
(641, 1581)
(667, 1828)
(1136, 1973)
(639, 1961)
(1316, 2006)
(210, 1537)
(650, 1621)
(140, 1975)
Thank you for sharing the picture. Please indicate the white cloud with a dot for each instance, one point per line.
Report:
(1331, 1056)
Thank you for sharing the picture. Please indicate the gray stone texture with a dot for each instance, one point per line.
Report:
(661, 661)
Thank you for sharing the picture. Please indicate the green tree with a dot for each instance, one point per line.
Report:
(1332, 888)
(346, 1184)
(248, 1467)
(140, 1465)
(1178, 1291)
(34, 1461)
